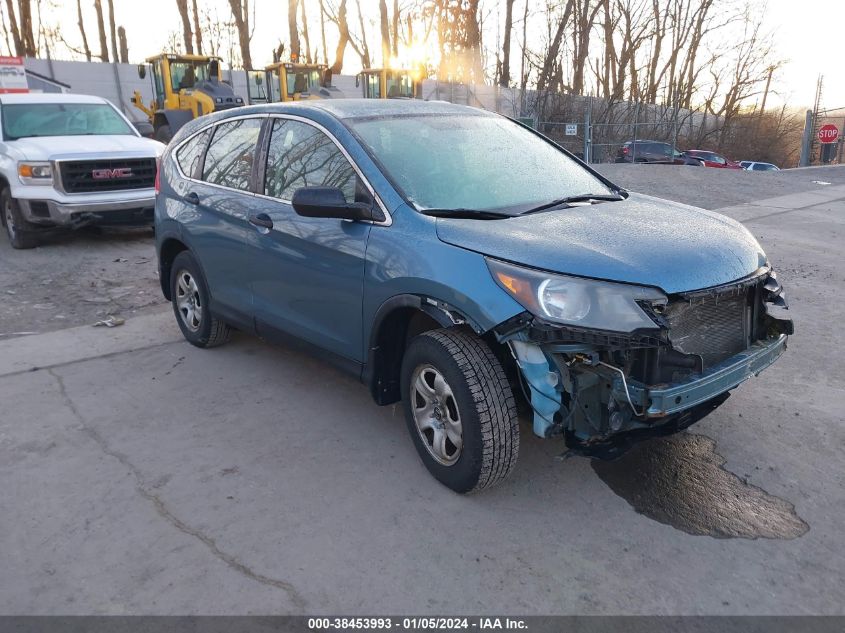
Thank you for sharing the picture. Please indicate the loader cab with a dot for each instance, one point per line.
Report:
(184, 87)
(286, 81)
(389, 83)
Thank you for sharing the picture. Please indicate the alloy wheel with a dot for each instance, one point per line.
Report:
(436, 415)
(188, 300)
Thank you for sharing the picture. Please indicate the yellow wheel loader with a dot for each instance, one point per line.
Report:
(184, 88)
(288, 81)
(390, 83)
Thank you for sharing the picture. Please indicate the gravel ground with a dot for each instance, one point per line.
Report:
(77, 279)
(717, 188)
(80, 278)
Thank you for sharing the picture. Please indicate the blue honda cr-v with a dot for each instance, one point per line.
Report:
(460, 262)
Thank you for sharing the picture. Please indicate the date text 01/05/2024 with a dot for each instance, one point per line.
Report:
(411, 623)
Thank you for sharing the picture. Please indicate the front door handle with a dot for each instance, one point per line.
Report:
(261, 220)
(192, 197)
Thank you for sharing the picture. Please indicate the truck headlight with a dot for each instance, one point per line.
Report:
(35, 173)
(587, 303)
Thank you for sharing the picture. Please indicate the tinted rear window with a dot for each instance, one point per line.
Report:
(188, 156)
(228, 161)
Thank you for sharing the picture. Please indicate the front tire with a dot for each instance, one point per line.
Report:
(190, 299)
(19, 231)
(459, 409)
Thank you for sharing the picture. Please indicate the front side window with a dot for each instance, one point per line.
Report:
(373, 86)
(300, 155)
(22, 120)
(228, 161)
(484, 162)
(187, 74)
(188, 156)
(302, 81)
(399, 85)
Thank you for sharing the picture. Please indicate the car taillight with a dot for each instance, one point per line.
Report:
(158, 176)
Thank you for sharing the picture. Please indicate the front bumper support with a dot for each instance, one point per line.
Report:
(662, 400)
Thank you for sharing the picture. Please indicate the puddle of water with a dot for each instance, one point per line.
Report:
(681, 481)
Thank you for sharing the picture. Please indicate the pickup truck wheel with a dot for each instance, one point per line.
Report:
(19, 230)
(460, 409)
(189, 296)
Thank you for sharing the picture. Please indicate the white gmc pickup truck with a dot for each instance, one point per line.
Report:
(68, 161)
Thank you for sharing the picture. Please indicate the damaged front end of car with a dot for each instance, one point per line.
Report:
(605, 364)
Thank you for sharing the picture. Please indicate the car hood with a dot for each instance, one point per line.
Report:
(640, 240)
(64, 147)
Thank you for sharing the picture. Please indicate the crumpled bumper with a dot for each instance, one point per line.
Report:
(662, 400)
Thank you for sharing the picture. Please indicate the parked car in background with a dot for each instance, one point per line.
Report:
(750, 165)
(712, 159)
(653, 152)
(68, 161)
(454, 260)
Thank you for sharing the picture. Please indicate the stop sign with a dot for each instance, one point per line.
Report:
(828, 133)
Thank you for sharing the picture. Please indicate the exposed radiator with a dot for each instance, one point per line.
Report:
(714, 328)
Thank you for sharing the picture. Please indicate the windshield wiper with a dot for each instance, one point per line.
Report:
(472, 214)
(584, 197)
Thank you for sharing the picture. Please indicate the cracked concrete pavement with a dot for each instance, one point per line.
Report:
(142, 475)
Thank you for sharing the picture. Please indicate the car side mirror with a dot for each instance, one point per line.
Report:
(142, 71)
(329, 202)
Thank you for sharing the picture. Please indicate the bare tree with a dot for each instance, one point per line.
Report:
(343, 36)
(384, 23)
(505, 77)
(240, 14)
(81, 24)
(396, 20)
(21, 28)
(308, 57)
(187, 35)
(113, 32)
(101, 27)
(323, 18)
(124, 47)
(293, 29)
(363, 50)
(197, 29)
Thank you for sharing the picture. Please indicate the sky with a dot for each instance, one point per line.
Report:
(808, 35)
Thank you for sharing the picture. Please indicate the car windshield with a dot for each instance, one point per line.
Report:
(61, 119)
(476, 162)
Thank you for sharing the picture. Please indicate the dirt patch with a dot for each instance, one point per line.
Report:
(681, 481)
(77, 279)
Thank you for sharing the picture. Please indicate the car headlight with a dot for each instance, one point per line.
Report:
(35, 173)
(587, 303)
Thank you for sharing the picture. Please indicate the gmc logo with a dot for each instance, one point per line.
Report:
(118, 172)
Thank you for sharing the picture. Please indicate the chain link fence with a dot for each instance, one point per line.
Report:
(592, 128)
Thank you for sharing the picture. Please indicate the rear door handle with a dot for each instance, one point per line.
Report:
(261, 220)
(192, 197)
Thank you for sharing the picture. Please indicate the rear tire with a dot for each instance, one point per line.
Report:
(460, 409)
(20, 232)
(190, 299)
(163, 133)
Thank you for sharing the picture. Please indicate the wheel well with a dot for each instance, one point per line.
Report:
(391, 340)
(169, 250)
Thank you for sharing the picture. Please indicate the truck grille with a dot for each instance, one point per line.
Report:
(714, 328)
(86, 176)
